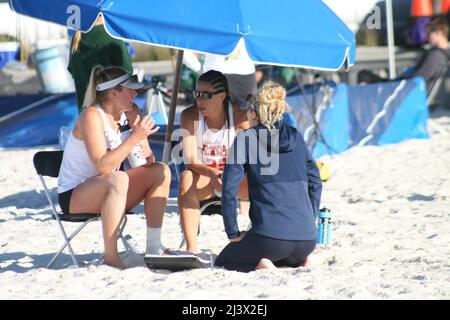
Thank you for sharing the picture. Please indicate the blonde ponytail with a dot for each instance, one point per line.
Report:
(90, 96)
(76, 41)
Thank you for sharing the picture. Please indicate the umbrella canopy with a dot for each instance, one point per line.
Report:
(296, 33)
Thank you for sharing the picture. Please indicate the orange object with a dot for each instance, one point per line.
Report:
(445, 6)
(421, 8)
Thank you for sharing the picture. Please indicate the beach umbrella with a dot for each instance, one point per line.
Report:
(305, 34)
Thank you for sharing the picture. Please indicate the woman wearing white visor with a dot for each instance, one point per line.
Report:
(90, 179)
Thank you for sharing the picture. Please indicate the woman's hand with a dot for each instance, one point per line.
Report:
(145, 150)
(144, 127)
(216, 179)
(147, 153)
(241, 236)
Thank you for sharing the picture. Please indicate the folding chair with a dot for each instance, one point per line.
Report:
(47, 164)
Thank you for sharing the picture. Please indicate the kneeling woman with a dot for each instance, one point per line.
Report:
(90, 179)
(284, 190)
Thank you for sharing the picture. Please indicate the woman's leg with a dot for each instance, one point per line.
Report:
(301, 250)
(151, 184)
(243, 189)
(247, 254)
(243, 197)
(265, 264)
(106, 195)
(192, 189)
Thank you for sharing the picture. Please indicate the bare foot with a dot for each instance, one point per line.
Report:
(193, 250)
(265, 264)
(115, 262)
(311, 261)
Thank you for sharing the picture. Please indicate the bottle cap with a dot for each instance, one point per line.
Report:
(125, 126)
(324, 213)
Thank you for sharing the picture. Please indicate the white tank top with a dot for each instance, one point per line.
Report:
(212, 144)
(76, 165)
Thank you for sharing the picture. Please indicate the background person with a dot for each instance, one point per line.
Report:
(284, 204)
(210, 126)
(90, 180)
(432, 62)
(95, 47)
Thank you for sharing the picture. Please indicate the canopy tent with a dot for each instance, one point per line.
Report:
(304, 34)
(376, 114)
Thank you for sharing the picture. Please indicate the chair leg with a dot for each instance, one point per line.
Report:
(72, 255)
(67, 242)
(124, 239)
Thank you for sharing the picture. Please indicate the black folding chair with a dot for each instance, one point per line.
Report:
(47, 164)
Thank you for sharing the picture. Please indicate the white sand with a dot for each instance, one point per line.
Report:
(391, 238)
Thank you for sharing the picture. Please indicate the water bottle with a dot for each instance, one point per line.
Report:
(324, 226)
(63, 135)
(135, 159)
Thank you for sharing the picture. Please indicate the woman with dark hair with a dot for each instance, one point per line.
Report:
(209, 128)
(90, 179)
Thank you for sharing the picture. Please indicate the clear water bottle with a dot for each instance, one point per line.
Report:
(63, 135)
(135, 159)
(324, 226)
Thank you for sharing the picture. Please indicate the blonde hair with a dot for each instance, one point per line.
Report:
(270, 103)
(76, 41)
(100, 74)
(77, 36)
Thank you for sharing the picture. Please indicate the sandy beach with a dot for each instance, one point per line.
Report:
(390, 207)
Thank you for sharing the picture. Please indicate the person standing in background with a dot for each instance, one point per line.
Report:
(92, 48)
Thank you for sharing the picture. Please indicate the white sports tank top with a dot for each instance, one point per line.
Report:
(212, 144)
(76, 165)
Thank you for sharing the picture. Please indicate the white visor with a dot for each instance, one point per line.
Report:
(125, 81)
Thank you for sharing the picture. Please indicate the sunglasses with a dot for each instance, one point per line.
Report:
(204, 95)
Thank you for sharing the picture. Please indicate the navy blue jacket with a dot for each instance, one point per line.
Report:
(283, 205)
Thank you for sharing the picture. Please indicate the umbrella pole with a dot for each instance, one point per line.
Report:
(391, 44)
(173, 107)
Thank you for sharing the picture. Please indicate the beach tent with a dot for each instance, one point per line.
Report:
(304, 34)
(375, 114)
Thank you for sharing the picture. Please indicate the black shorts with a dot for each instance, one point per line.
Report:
(64, 200)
